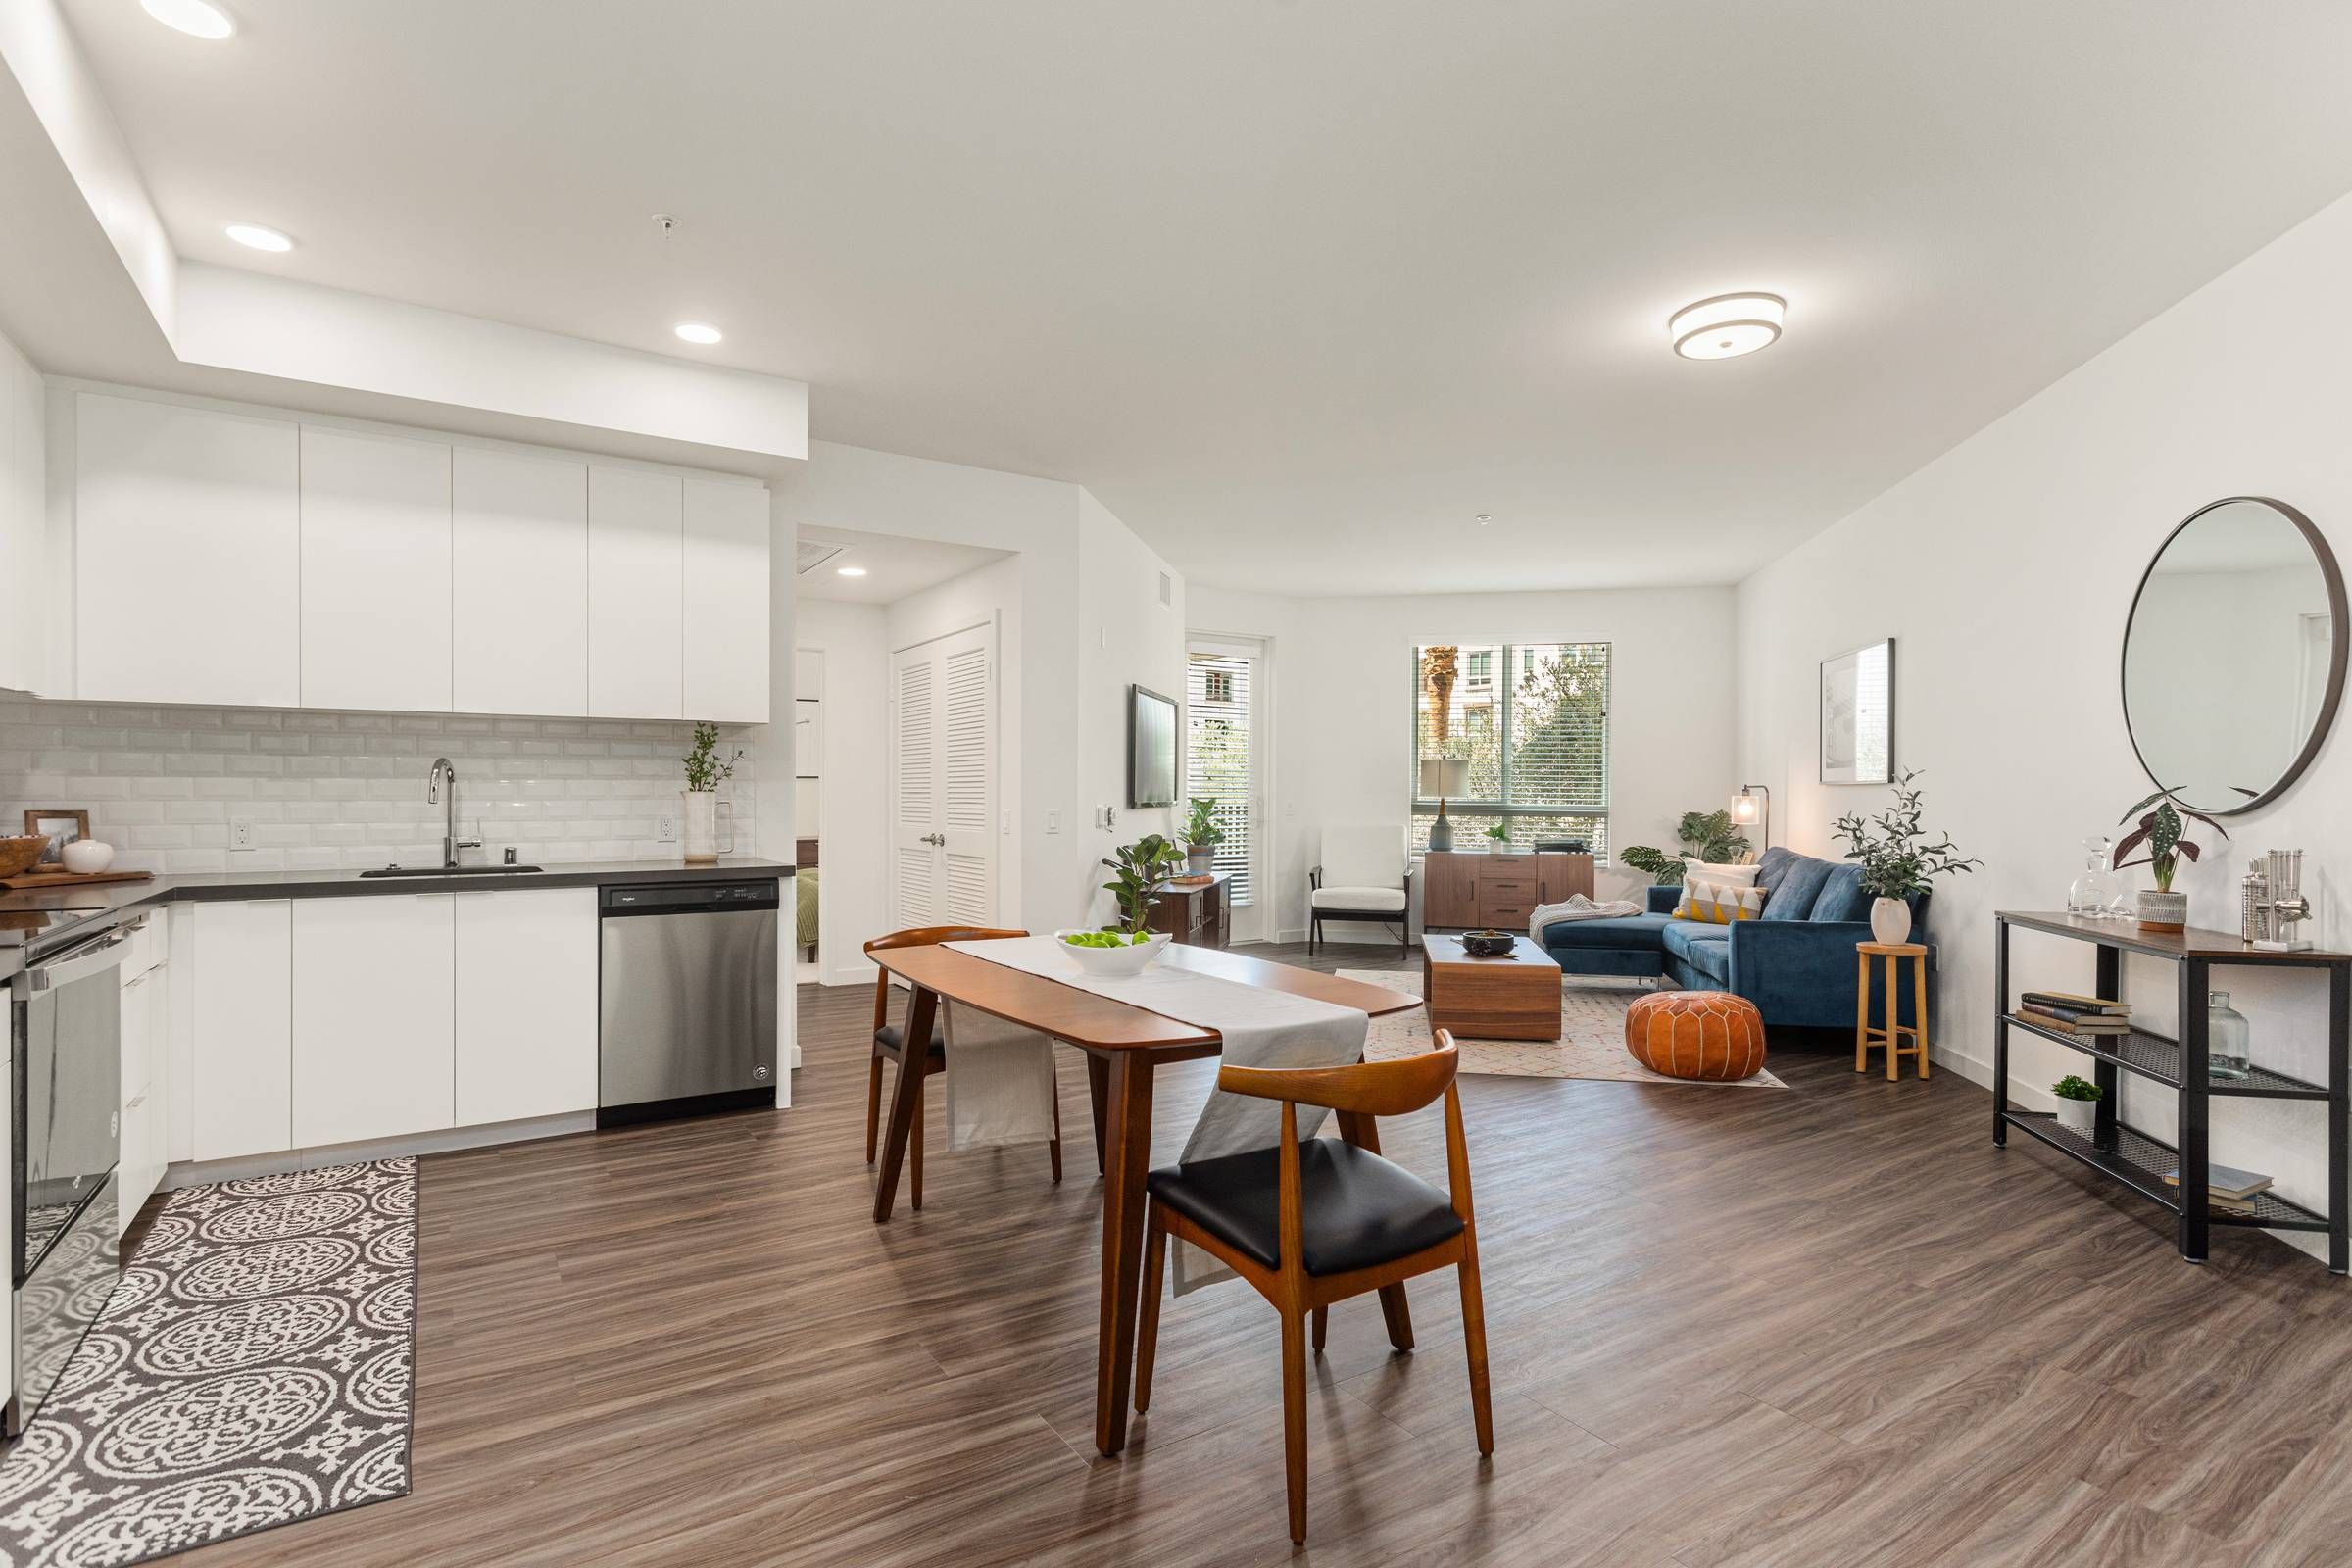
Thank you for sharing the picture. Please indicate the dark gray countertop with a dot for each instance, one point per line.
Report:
(31, 922)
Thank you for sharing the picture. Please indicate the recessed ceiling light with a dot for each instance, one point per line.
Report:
(698, 332)
(851, 571)
(259, 239)
(1484, 518)
(198, 18)
(1727, 326)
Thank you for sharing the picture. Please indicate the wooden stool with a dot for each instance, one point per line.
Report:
(1865, 1037)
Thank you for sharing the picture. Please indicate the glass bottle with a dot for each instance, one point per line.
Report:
(2094, 889)
(2227, 1038)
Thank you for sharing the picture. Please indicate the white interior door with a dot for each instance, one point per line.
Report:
(1228, 758)
(943, 782)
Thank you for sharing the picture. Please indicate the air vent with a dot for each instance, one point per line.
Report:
(814, 552)
(1167, 590)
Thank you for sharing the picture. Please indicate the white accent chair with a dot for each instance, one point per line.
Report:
(1363, 873)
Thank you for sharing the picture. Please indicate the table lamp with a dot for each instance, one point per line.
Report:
(1751, 807)
(1442, 776)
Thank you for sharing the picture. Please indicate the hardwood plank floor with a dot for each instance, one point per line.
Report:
(1826, 1326)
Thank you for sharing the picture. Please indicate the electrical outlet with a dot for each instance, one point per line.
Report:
(240, 832)
(666, 829)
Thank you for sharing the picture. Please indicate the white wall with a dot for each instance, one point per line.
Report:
(2005, 572)
(1343, 733)
(1127, 637)
(1077, 578)
(852, 802)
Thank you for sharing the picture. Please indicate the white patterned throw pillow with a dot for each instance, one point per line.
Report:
(1717, 902)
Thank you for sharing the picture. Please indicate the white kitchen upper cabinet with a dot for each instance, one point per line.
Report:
(372, 1023)
(726, 606)
(375, 567)
(521, 585)
(526, 1003)
(636, 564)
(24, 526)
(187, 572)
(239, 1093)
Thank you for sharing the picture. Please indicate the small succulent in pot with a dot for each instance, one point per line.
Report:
(2078, 1103)
(2163, 829)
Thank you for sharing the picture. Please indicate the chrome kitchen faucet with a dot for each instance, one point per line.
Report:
(444, 773)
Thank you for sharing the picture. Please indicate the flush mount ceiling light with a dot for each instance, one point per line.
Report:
(851, 571)
(259, 239)
(1727, 326)
(698, 332)
(198, 18)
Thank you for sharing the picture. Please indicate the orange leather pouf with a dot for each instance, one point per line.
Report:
(1712, 1035)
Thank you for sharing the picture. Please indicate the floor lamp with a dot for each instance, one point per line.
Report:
(1752, 806)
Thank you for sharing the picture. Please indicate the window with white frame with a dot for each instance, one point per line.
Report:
(1532, 723)
(1220, 759)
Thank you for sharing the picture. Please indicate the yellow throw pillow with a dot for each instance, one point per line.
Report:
(1718, 903)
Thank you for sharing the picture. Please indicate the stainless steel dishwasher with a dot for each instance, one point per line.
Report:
(687, 1012)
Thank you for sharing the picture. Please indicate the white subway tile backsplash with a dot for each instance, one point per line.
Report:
(333, 790)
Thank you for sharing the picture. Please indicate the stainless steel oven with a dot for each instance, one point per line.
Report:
(66, 1056)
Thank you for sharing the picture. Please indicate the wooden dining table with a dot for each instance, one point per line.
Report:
(1125, 1045)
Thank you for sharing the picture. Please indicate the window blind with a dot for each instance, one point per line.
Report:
(1219, 757)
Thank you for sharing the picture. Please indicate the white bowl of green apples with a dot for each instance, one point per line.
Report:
(1113, 954)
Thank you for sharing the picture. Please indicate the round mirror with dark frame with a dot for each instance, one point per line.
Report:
(2233, 657)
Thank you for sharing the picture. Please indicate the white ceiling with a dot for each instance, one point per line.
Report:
(1295, 286)
(894, 566)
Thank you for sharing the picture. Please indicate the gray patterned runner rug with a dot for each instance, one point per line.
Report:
(254, 1367)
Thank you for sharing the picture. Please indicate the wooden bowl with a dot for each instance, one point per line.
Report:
(19, 855)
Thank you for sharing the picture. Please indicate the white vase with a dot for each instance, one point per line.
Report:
(1889, 922)
(702, 827)
(2079, 1115)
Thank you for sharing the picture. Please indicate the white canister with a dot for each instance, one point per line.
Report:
(87, 856)
(701, 808)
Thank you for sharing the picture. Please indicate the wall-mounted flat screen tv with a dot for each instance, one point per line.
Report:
(1150, 748)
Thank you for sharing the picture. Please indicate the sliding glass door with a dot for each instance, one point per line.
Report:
(1227, 760)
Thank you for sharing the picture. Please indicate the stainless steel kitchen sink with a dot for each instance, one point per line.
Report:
(459, 870)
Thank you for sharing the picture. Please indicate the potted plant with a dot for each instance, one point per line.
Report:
(1203, 835)
(1708, 837)
(1500, 833)
(2078, 1103)
(1896, 861)
(2161, 830)
(705, 774)
(1137, 872)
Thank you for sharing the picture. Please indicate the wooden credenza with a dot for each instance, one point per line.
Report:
(1200, 915)
(1469, 888)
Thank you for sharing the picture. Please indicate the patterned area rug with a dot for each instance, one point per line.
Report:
(254, 1367)
(1592, 1042)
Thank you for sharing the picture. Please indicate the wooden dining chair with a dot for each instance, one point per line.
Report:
(1317, 1221)
(890, 1045)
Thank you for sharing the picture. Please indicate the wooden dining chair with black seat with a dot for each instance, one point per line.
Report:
(890, 1045)
(1316, 1221)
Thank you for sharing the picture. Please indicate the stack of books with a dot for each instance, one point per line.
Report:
(2069, 1014)
(2227, 1190)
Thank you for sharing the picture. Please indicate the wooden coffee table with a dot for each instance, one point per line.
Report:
(1512, 998)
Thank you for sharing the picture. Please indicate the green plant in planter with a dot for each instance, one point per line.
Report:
(1137, 872)
(1500, 833)
(1201, 829)
(1708, 837)
(704, 771)
(2070, 1087)
(1896, 860)
(2162, 830)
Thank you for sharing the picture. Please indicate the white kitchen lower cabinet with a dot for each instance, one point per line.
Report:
(526, 1003)
(371, 1017)
(240, 1087)
(146, 1023)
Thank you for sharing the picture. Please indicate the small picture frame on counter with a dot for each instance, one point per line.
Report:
(63, 825)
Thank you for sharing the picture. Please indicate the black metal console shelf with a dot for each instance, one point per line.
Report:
(2139, 1161)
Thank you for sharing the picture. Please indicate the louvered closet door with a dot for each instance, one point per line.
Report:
(943, 736)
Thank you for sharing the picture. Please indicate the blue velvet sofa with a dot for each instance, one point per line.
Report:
(1796, 961)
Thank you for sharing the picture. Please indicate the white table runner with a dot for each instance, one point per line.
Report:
(1261, 1028)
